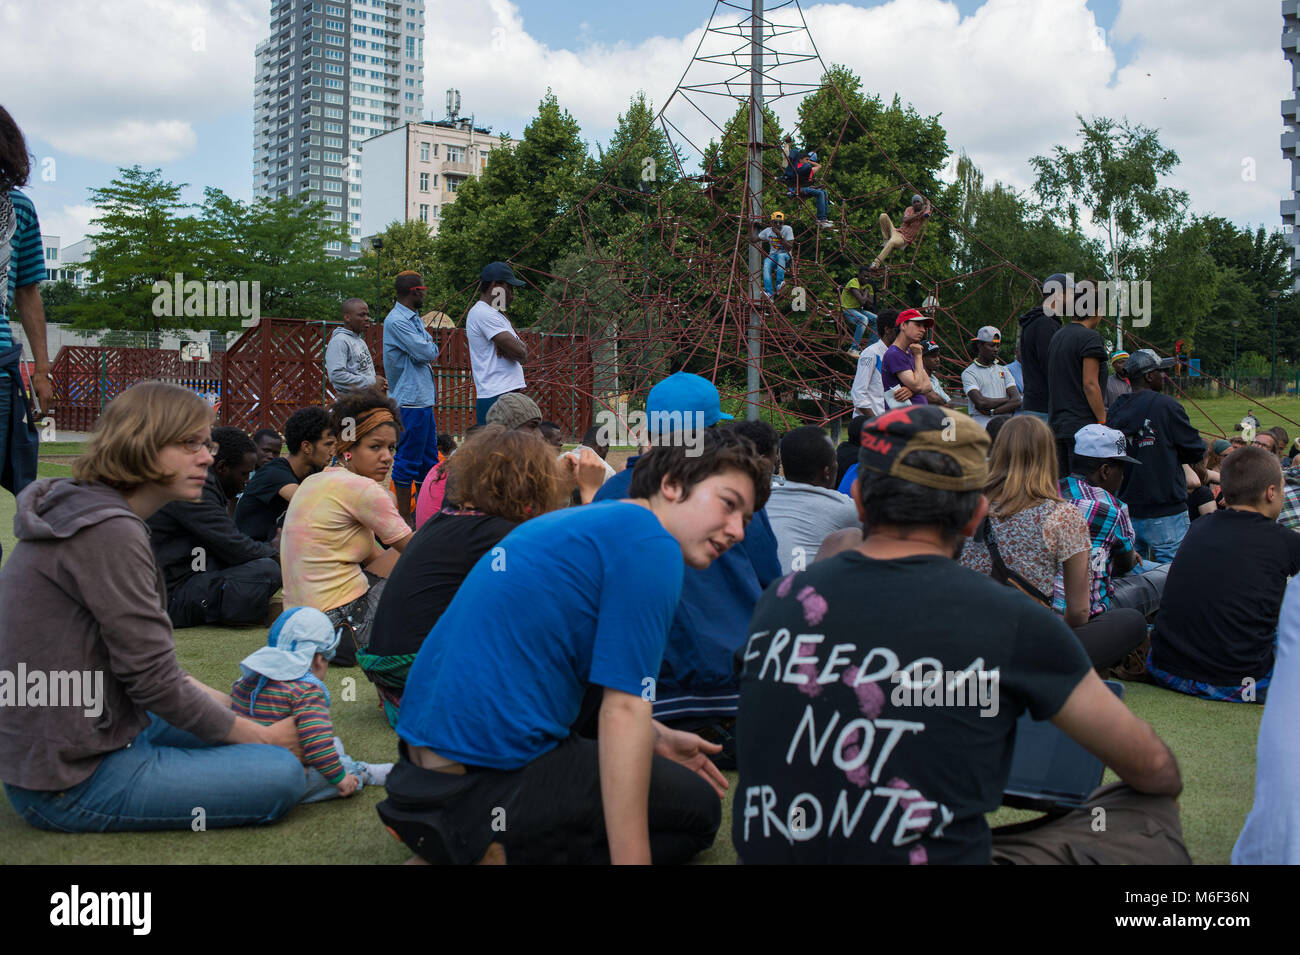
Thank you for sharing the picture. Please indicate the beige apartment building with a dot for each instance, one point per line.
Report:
(415, 170)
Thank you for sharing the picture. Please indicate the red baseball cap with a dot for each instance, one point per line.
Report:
(912, 315)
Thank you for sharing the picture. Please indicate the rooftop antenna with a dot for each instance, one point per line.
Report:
(453, 104)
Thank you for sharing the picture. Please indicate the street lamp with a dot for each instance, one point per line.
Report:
(1235, 323)
(1273, 373)
(378, 245)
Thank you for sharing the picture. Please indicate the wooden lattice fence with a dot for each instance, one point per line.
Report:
(277, 366)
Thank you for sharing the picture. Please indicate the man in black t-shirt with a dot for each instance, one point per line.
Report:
(1215, 635)
(1076, 377)
(266, 498)
(889, 742)
(1037, 328)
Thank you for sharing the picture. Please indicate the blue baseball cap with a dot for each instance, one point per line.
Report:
(499, 272)
(686, 394)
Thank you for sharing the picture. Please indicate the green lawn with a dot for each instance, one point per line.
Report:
(1218, 416)
(1214, 743)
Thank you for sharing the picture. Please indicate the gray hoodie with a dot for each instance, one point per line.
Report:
(348, 362)
(84, 615)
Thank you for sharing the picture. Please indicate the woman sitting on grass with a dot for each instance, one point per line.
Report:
(499, 479)
(328, 550)
(1036, 535)
(131, 741)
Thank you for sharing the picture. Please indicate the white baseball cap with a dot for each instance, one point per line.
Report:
(1099, 441)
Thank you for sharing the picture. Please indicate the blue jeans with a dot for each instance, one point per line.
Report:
(160, 778)
(862, 320)
(417, 450)
(1160, 536)
(778, 262)
(319, 788)
(820, 196)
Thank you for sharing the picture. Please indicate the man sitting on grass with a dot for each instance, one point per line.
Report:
(1215, 635)
(889, 743)
(574, 601)
(215, 573)
(1096, 472)
(697, 689)
(807, 508)
(267, 495)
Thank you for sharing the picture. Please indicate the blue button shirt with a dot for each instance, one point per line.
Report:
(408, 349)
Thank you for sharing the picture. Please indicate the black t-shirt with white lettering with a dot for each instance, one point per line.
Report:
(1067, 405)
(435, 563)
(261, 506)
(845, 754)
(1219, 611)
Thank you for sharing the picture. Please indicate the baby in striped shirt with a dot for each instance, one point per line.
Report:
(284, 678)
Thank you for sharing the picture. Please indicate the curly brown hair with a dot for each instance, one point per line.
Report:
(505, 473)
(349, 412)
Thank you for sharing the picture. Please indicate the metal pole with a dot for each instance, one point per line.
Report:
(755, 188)
(1234, 354)
(1273, 371)
(1114, 277)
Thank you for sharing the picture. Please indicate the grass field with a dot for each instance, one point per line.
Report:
(1214, 743)
(1218, 416)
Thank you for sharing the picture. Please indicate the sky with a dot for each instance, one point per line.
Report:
(97, 84)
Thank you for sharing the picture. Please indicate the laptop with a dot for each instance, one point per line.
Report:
(1049, 771)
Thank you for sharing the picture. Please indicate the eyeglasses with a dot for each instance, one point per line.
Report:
(195, 445)
(419, 288)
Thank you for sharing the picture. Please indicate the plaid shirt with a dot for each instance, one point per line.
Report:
(1111, 531)
(1290, 516)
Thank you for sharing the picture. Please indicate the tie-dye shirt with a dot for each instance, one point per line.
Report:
(329, 531)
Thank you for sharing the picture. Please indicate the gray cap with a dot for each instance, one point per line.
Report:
(916, 197)
(513, 410)
(1145, 360)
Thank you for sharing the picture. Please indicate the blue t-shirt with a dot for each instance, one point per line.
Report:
(712, 619)
(580, 596)
(846, 483)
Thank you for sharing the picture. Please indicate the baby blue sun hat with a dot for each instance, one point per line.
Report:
(296, 637)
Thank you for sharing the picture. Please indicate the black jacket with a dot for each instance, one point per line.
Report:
(1036, 331)
(181, 526)
(1162, 438)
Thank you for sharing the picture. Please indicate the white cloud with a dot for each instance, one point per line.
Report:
(69, 223)
(127, 81)
(1007, 80)
(132, 81)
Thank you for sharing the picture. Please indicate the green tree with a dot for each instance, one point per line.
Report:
(141, 238)
(515, 211)
(281, 242)
(56, 296)
(1114, 176)
(406, 245)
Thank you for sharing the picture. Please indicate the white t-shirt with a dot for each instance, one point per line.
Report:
(493, 374)
(868, 388)
(991, 381)
(787, 234)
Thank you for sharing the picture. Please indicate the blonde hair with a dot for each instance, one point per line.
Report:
(1022, 467)
(133, 430)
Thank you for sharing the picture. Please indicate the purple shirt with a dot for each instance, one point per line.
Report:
(897, 360)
